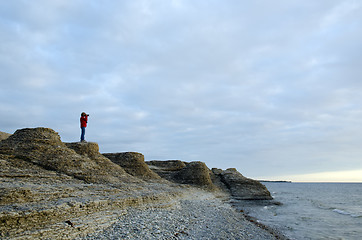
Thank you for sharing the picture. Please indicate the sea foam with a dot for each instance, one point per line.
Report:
(343, 212)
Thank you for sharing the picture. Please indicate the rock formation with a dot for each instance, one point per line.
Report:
(239, 186)
(197, 174)
(87, 149)
(166, 169)
(47, 184)
(193, 173)
(43, 147)
(133, 163)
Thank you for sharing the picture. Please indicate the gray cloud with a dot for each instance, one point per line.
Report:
(271, 88)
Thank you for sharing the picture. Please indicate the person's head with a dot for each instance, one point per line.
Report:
(83, 114)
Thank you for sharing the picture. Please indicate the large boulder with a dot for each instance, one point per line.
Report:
(133, 163)
(239, 186)
(43, 147)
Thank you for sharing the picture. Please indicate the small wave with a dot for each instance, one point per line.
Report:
(354, 215)
(341, 212)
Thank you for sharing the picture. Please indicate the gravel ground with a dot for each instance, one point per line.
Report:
(199, 216)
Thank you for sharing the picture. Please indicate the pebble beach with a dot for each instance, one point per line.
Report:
(200, 215)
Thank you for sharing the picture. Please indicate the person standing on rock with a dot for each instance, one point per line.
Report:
(83, 125)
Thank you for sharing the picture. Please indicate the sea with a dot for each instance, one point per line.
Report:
(310, 210)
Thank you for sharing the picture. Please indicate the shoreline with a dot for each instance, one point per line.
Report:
(273, 231)
(58, 190)
(238, 206)
(196, 215)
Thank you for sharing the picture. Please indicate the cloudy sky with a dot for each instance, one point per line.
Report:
(272, 88)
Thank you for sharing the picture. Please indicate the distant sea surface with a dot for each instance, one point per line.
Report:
(311, 210)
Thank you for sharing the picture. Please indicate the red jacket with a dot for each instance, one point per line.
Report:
(83, 121)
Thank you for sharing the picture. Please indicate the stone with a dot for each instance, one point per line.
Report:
(88, 149)
(48, 185)
(45, 182)
(169, 165)
(166, 169)
(193, 173)
(43, 147)
(133, 163)
(241, 187)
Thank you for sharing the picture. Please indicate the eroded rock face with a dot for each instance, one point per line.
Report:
(133, 163)
(25, 182)
(193, 173)
(241, 187)
(198, 174)
(45, 184)
(170, 165)
(166, 169)
(43, 147)
(88, 149)
(35, 203)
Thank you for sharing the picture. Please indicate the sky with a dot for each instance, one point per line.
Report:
(271, 88)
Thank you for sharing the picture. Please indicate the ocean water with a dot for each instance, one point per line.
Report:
(311, 210)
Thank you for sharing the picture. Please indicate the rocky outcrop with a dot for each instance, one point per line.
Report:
(4, 135)
(133, 163)
(43, 147)
(198, 174)
(193, 173)
(55, 190)
(87, 149)
(166, 169)
(239, 186)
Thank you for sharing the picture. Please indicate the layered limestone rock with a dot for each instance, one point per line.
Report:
(239, 186)
(193, 173)
(88, 149)
(133, 163)
(50, 191)
(43, 147)
(198, 174)
(55, 190)
(166, 169)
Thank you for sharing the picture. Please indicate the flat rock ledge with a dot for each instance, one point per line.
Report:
(55, 190)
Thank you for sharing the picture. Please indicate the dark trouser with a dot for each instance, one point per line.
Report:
(83, 134)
